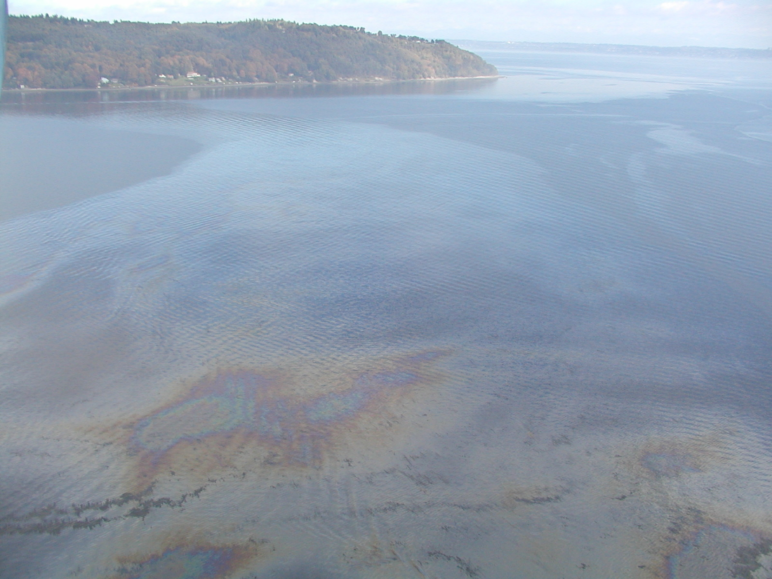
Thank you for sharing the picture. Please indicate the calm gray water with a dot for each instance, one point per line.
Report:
(516, 329)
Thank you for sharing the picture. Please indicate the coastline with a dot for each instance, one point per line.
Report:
(215, 86)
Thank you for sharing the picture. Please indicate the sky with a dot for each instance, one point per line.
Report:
(731, 23)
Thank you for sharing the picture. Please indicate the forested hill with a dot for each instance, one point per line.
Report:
(56, 52)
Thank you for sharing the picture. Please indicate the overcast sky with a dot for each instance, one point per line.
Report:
(735, 23)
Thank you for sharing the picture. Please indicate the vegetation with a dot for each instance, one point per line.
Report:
(57, 52)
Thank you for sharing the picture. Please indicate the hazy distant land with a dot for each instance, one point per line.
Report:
(56, 53)
(622, 49)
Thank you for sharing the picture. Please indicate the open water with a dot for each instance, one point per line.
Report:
(513, 329)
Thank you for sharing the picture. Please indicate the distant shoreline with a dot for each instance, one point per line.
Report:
(215, 86)
(619, 49)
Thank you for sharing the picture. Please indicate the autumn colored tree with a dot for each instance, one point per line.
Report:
(57, 52)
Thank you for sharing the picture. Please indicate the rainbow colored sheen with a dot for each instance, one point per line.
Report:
(255, 405)
(184, 564)
(669, 464)
(228, 406)
(695, 542)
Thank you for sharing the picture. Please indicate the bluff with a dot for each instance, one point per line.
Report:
(57, 52)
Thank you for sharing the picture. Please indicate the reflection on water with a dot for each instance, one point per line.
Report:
(427, 335)
(90, 101)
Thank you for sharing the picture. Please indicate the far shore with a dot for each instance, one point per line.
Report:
(210, 85)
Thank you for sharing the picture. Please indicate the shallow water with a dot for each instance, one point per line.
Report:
(50, 161)
(456, 334)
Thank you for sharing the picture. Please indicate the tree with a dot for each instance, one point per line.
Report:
(55, 52)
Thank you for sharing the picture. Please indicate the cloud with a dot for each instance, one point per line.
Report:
(673, 6)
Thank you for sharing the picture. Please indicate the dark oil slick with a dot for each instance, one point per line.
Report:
(513, 329)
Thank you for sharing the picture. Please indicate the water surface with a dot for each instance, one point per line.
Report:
(459, 333)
